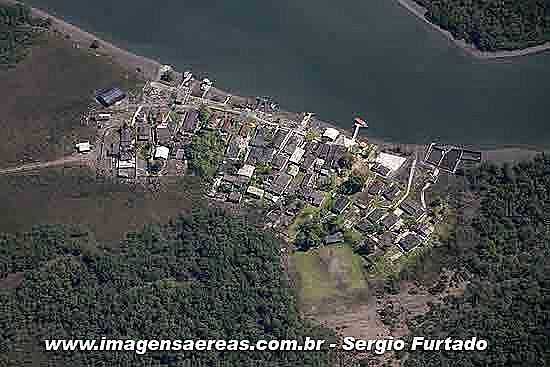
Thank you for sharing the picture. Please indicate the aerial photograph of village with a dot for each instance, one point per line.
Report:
(319, 185)
(294, 185)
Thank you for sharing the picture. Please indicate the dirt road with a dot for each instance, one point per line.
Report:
(72, 159)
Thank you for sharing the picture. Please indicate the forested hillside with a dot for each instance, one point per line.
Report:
(493, 24)
(205, 275)
(506, 251)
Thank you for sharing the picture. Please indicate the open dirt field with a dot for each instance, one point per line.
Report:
(44, 97)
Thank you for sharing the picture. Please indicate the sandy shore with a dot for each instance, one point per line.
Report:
(420, 12)
(149, 69)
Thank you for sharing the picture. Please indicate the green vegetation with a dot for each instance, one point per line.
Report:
(506, 256)
(205, 153)
(354, 184)
(205, 114)
(347, 160)
(75, 196)
(493, 25)
(326, 273)
(203, 276)
(47, 94)
(18, 31)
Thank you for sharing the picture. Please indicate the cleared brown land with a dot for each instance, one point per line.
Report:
(74, 196)
(44, 97)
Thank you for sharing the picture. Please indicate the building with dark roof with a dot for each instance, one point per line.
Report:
(336, 154)
(366, 247)
(109, 97)
(409, 242)
(314, 197)
(334, 238)
(163, 136)
(376, 188)
(381, 170)
(323, 151)
(259, 138)
(365, 226)
(143, 132)
(389, 221)
(376, 215)
(191, 121)
(235, 197)
(341, 204)
(295, 184)
(412, 208)
(362, 199)
(280, 184)
(292, 143)
(259, 155)
(233, 148)
(308, 162)
(392, 193)
(279, 138)
(280, 160)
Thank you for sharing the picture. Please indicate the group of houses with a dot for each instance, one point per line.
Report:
(279, 163)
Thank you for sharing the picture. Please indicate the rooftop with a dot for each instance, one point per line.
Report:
(392, 161)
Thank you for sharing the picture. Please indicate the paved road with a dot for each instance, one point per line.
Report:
(40, 165)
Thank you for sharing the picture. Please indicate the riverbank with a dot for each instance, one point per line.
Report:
(420, 12)
(148, 69)
(144, 66)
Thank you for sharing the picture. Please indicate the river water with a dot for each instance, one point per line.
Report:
(339, 59)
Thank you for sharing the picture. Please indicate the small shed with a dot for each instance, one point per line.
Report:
(255, 191)
(83, 147)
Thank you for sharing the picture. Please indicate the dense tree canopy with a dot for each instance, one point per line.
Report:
(507, 256)
(493, 24)
(205, 153)
(18, 30)
(203, 276)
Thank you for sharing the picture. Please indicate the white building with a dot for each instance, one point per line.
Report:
(162, 152)
(83, 147)
(331, 133)
(297, 155)
(254, 191)
(391, 161)
(247, 170)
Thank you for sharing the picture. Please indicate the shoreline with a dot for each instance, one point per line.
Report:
(420, 12)
(149, 69)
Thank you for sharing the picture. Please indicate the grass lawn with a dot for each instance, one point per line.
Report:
(329, 274)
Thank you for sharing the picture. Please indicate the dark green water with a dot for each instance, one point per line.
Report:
(338, 59)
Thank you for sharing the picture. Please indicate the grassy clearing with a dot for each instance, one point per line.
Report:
(329, 274)
(74, 196)
(45, 95)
